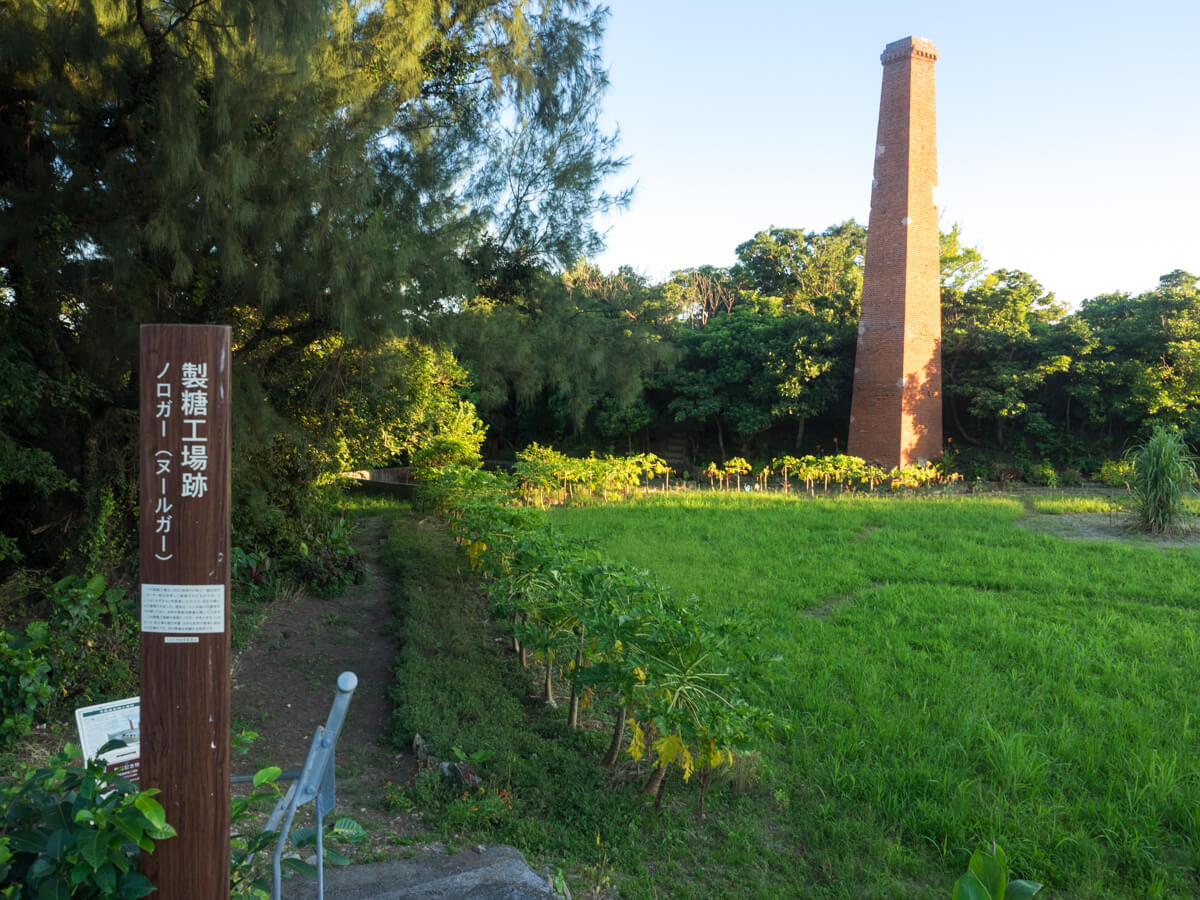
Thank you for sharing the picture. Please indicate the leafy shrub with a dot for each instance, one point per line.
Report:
(1005, 474)
(24, 679)
(1163, 474)
(85, 652)
(251, 575)
(328, 563)
(455, 439)
(81, 601)
(92, 647)
(76, 831)
(1116, 472)
(1040, 473)
(1070, 477)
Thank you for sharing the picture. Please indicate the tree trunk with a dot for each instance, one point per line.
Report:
(573, 707)
(618, 738)
(550, 680)
(800, 434)
(654, 784)
(973, 441)
(720, 437)
(658, 796)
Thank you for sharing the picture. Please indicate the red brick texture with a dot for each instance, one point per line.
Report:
(896, 410)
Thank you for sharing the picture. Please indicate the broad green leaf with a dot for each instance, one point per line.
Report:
(54, 889)
(91, 847)
(114, 744)
(990, 871)
(161, 834)
(1021, 889)
(106, 878)
(133, 885)
(59, 816)
(152, 810)
(349, 830)
(334, 858)
(970, 888)
(27, 842)
(80, 873)
(57, 843)
(41, 868)
(299, 866)
(269, 774)
(132, 830)
(303, 837)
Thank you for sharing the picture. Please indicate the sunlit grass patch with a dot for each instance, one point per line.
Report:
(1074, 504)
(955, 680)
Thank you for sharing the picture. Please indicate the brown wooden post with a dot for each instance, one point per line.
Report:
(184, 536)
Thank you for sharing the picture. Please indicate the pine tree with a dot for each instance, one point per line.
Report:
(315, 175)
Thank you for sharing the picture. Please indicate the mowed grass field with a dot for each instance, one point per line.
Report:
(951, 679)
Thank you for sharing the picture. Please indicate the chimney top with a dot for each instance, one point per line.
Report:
(909, 46)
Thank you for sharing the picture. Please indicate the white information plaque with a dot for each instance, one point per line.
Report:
(119, 720)
(183, 608)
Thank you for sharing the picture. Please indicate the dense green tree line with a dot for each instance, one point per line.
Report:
(757, 359)
(323, 177)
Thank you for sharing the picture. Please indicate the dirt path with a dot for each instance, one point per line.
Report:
(285, 679)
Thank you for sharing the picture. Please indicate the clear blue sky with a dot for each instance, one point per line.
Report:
(1068, 132)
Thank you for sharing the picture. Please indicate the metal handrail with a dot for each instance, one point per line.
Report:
(315, 781)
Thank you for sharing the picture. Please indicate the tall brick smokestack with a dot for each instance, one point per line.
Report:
(896, 410)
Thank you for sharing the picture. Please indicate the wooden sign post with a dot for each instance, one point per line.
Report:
(184, 536)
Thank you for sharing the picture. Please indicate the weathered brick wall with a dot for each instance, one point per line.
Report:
(896, 411)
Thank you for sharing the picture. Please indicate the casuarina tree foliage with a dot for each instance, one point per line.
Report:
(321, 176)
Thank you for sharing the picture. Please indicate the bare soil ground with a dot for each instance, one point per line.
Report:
(284, 682)
(1113, 527)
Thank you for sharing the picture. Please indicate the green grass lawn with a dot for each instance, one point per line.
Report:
(950, 679)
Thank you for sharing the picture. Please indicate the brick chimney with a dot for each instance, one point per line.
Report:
(896, 410)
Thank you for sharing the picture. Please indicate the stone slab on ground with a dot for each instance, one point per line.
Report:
(491, 873)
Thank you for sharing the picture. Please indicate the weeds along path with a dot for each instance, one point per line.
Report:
(284, 682)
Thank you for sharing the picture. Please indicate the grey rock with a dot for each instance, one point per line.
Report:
(496, 873)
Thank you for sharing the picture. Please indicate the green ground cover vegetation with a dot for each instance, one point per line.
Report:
(952, 680)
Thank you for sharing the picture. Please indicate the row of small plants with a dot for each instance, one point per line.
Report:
(549, 476)
(546, 476)
(623, 642)
(839, 470)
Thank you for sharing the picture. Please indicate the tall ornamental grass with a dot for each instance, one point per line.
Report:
(1163, 477)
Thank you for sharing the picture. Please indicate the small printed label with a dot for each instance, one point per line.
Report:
(183, 608)
(181, 640)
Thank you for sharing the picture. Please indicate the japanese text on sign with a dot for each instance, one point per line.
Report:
(190, 457)
(183, 608)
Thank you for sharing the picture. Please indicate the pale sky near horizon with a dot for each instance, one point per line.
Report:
(1068, 131)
